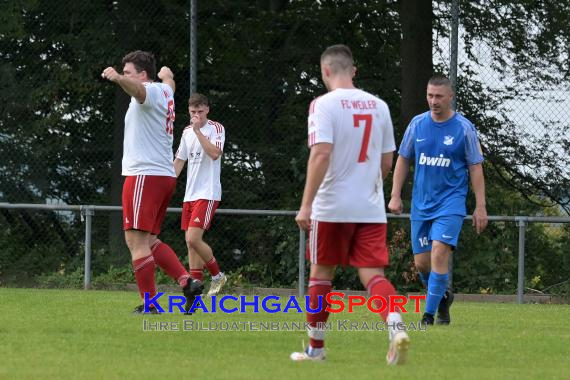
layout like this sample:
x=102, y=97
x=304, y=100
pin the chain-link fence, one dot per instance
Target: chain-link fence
x=512, y=81
x=61, y=125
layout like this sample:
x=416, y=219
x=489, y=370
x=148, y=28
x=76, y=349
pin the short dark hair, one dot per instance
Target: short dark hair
x=338, y=57
x=197, y=100
x=143, y=61
x=440, y=80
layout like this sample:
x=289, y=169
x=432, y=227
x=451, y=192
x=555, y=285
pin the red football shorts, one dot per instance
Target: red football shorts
x=198, y=213
x=145, y=200
x=355, y=244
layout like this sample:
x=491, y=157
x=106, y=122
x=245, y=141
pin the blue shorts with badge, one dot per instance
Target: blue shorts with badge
x=445, y=229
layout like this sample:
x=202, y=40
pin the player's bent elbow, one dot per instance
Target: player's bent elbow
x=215, y=156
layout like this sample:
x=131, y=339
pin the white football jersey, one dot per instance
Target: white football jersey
x=147, y=146
x=359, y=126
x=203, y=173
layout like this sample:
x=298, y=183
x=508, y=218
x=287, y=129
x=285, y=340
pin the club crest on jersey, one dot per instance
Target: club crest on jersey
x=448, y=140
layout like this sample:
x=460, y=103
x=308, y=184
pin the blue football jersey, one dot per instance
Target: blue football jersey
x=442, y=153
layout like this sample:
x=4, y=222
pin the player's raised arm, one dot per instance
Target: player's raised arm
x=210, y=149
x=167, y=77
x=132, y=86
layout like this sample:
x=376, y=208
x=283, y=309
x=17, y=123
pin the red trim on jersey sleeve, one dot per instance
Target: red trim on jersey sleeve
x=312, y=138
x=313, y=105
x=219, y=127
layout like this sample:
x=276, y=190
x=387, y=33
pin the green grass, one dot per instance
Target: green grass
x=66, y=334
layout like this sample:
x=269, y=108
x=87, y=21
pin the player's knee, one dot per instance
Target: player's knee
x=439, y=259
x=192, y=242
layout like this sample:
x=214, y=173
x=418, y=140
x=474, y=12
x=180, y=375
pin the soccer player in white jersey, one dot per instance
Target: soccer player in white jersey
x=202, y=145
x=150, y=179
x=352, y=142
x=446, y=152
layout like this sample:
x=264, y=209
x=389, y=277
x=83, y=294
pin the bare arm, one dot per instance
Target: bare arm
x=167, y=77
x=478, y=185
x=132, y=87
x=211, y=150
x=178, y=166
x=317, y=167
x=386, y=165
x=400, y=173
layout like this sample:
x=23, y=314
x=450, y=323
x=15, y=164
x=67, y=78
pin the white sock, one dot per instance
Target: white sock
x=392, y=322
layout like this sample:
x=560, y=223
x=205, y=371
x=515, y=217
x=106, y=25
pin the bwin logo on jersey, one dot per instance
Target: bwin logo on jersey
x=448, y=140
x=434, y=161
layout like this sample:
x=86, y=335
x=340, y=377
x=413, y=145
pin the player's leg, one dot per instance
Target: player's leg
x=195, y=262
x=444, y=234
x=196, y=265
x=421, y=248
x=328, y=246
x=369, y=254
x=200, y=221
x=159, y=191
x=143, y=264
x=320, y=284
x=196, y=284
x=137, y=226
x=163, y=254
x=422, y=261
x=168, y=261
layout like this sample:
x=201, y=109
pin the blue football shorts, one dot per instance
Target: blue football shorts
x=445, y=229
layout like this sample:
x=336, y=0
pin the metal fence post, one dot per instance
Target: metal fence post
x=87, y=212
x=454, y=48
x=302, y=247
x=193, y=45
x=520, y=286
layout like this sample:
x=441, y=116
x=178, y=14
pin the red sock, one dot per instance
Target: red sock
x=318, y=288
x=167, y=260
x=144, y=274
x=197, y=274
x=213, y=267
x=380, y=286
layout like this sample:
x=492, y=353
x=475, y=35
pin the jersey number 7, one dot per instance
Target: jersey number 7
x=367, y=118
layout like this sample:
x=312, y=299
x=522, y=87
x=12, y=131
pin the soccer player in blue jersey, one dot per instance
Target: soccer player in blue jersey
x=445, y=149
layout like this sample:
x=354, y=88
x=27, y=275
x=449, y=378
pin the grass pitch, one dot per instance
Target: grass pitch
x=67, y=334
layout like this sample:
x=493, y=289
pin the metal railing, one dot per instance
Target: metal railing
x=88, y=211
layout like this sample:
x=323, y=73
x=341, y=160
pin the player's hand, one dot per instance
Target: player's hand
x=396, y=206
x=165, y=73
x=194, y=123
x=110, y=74
x=303, y=218
x=480, y=219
